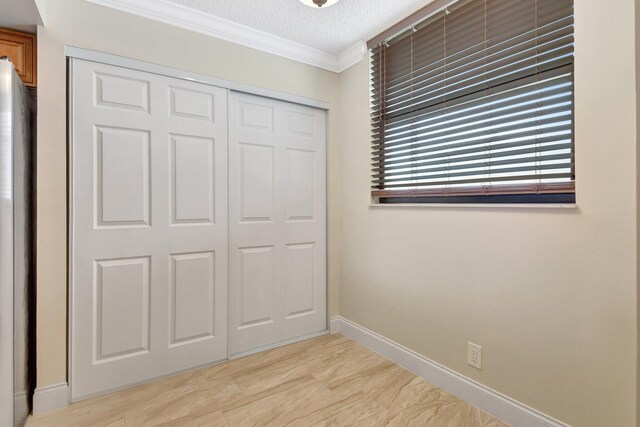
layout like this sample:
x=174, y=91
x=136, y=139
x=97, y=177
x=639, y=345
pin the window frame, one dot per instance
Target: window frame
x=561, y=194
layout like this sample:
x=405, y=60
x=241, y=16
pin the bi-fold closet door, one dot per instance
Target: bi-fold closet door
x=197, y=219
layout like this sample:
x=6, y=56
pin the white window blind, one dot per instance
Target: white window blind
x=476, y=100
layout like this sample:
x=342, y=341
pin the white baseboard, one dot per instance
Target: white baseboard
x=334, y=324
x=478, y=395
x=51, y=397
x=21, y=407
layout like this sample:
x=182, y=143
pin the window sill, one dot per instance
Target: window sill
x=568, y=206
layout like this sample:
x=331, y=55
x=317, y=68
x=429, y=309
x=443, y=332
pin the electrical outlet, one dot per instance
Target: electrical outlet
x=474, y=355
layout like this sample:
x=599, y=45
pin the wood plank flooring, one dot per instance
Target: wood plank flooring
x=325, y=381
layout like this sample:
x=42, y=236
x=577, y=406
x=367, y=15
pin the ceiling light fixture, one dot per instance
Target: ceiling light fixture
x=319, y=3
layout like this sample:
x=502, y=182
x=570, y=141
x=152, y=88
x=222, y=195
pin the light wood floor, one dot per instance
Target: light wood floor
x=330, y=380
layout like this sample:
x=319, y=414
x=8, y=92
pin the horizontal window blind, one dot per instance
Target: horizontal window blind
x=476, y=100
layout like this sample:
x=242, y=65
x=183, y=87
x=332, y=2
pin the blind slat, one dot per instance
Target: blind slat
x=535, y=90
x=533, y=177
x=441, y=91
x=453, y=144
x=479, y=176
x=471, y=155
x=408, y=62
x=481, y=95
x=411, y=180
x=504, y=189
x=473, y=162
x=499, y=121
x=512, y=61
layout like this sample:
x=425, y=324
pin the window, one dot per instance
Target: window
x=473, y=102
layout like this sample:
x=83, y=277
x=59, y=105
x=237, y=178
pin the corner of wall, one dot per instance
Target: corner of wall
x=51, y=218
x=637, y=71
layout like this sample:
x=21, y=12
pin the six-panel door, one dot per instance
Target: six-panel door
x=277, y=222
x=149, y=226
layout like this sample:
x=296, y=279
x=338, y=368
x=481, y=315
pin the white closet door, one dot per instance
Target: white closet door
x=149, y=226
x=277, y=211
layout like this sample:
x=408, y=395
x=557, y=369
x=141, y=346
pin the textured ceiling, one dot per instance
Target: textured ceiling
x=332, y=29
x=21, y=15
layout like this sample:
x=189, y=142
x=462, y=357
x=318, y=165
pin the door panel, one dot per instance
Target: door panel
x=149, y=226
x=256, y=182
x=122, y=176
x=122, y=92
x=256, y=286
x=300, y=260
x=192, y=104
x=277, y=199
x=192, y=302
x=300, y=194
x=192, y=180
x=122, y=307
x=256, y=115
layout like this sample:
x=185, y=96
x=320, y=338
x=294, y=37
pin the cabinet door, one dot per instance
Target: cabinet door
x=277, y=211
x=21, y=49
x=148, y=224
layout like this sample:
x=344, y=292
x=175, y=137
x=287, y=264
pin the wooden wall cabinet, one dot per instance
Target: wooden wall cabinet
x=21, y=48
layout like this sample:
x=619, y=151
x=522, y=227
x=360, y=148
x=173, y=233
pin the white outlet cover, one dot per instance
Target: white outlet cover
x=474, y=355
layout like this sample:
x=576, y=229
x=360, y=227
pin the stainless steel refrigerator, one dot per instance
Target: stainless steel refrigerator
x=17, y=231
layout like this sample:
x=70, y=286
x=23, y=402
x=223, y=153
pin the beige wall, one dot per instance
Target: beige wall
x=81, y=24
x=637, y=40
x=550, y=294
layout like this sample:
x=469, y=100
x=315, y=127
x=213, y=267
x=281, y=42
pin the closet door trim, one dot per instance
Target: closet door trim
x=120, y=61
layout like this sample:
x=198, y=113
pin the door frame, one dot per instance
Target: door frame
x=75, y=53
x=134, y=64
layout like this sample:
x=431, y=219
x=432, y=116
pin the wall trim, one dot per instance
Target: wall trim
x=482, y=397
x=352, y=55
x=334, y=324
x=204, y=23
x=21, y=406
x=51, y=397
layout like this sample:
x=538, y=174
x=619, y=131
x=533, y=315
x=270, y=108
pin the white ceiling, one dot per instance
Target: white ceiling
x=21, y=15
x=333, y=29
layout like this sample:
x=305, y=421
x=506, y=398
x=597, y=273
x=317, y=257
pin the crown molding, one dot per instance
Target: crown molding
x=352, y=55
x=200, y=22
